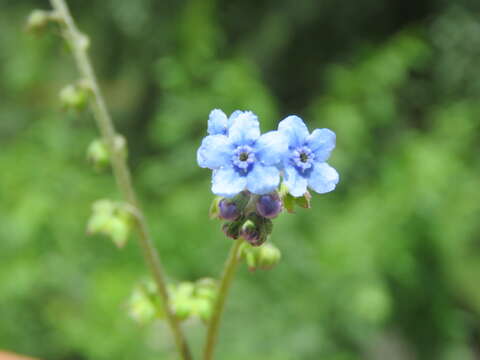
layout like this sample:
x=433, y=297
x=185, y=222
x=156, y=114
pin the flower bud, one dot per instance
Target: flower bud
x=144, y=305
x=249, y=231
x=252, y=260
x=206, y=292
x=269, y=256
x=253, y=233
x=269, y=206
x=182, y=308
x=232, y=229
x=74, y=97
x=97, y=154
x=206, y=288
x=203, y=308
x=140, y=308
x=228, y=210
x=259, y=257
x=182, y=299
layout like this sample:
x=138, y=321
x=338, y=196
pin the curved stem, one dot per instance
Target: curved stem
x=225, y=282
x=79, y=44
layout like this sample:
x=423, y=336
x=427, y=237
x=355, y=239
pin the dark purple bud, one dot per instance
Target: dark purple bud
x=231, y=229
x=228, y=210
x=269, y=206
x=252, y=233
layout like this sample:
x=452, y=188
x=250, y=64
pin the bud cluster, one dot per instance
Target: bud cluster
x=249, y=216
x=194, y=299
x=264, y=257
x=187, y=300
x=112, y=219
x=144, y=305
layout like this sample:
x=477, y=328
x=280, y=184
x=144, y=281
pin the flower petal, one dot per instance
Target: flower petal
x=217, y=122
x=321, y=142
x=227, y=182
x=214, y=152
x=272, y=147
x=295, y=182
x=245, y=129
x=263, y=179
x=233, y=116
x=323, y=178
x=296, y=130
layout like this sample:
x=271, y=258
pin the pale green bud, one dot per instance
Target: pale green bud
x=206, y=288
x=262, y=257
x=203, y=308
x=142, y=306
x=74, y=97
x=269, y=256
x=183, y=307
x=185, y=289
x=97, y=154
x=181, y=298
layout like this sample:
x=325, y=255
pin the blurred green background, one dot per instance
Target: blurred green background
x=387, y=266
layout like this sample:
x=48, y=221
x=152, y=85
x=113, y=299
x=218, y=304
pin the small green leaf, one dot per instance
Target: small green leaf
x=214, y=210
x=304, y=201
x=289, y=203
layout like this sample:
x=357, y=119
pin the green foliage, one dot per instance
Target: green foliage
x=385, y=266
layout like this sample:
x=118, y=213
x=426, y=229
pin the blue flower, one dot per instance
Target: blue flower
x=218, y=123
x=304, y=164
x=239, y=157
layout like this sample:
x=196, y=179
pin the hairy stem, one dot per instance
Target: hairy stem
x=79, y=44
x=225, y=282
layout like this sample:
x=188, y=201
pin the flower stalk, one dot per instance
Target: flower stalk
x=225, y=283
x=79, y=45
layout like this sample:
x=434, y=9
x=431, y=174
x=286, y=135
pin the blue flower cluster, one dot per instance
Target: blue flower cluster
x=243, y=159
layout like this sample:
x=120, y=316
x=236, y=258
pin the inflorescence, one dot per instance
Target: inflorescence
x=255, y=176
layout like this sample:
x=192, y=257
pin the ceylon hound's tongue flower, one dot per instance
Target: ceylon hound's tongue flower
x=241, y=158
x=304, y=164
x=219, y=123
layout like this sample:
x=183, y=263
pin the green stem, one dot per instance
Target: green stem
x=79, y=44
x=225, y=282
